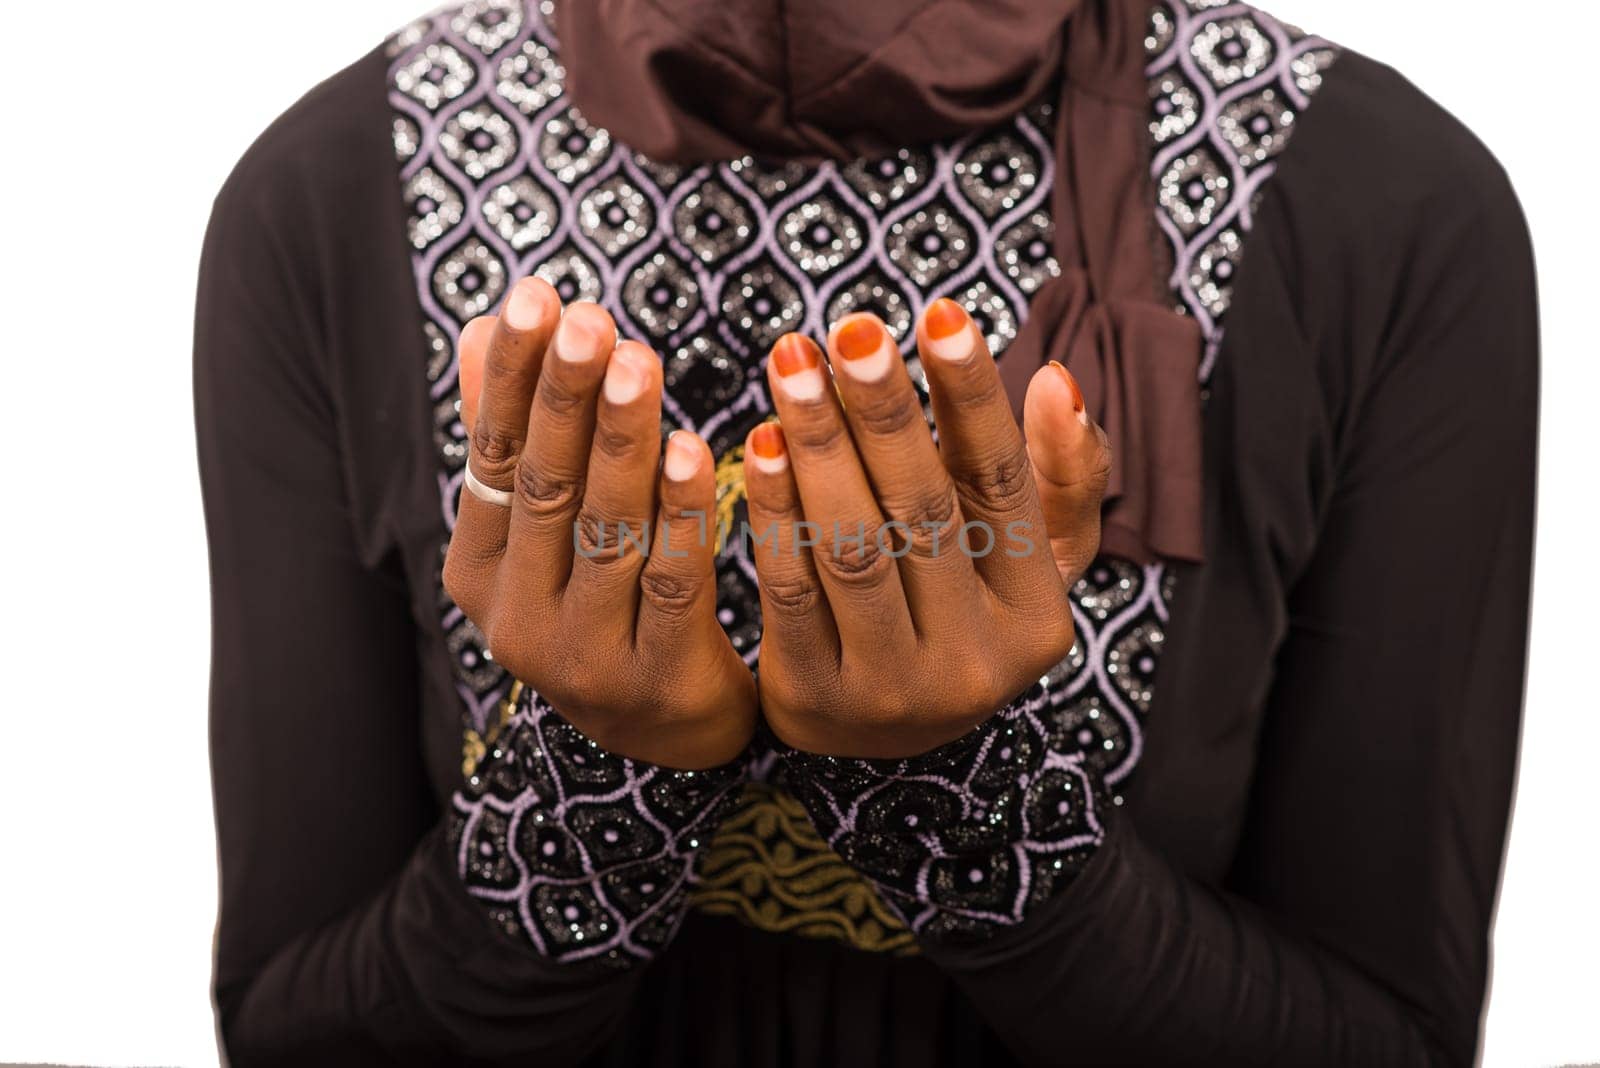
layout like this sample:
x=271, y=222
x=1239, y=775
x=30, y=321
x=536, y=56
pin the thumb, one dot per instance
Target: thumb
x=1071, y=464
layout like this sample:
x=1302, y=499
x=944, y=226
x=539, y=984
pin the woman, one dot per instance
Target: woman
x=1186, y=740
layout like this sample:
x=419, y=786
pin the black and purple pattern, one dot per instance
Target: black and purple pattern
x=711, y=263
x=972, y=834
x=586, y=854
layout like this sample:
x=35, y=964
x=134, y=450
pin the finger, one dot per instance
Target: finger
x=983, y=450
x=796, y=622
x=509, y=372
x=678, y=586
x=479, y=535
x=555, y=459
x=1071, y=463
x=619, y=497
x=471, y=353
x=859, y=578
x=914, y=492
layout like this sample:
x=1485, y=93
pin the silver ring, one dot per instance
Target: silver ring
x=486, y=494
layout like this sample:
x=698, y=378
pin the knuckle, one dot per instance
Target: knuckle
x=859, y=563
x=887, y=416
x=506, y=364
x=792, y=596
x=1094, y=475
x=819, y=436
x=601, y=537
x=981, y=392
x=616, y=442
x=1003, y=483
x=928, y=518
x=669, y=593
x=681, y=515
x=496, y=451
x=772, y=497
x=558, y=397
x=544, y=494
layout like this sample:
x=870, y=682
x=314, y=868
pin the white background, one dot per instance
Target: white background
x=122, y=121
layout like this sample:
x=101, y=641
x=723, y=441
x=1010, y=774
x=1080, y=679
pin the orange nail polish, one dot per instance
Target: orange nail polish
x=794, y=353
x=944, y=318
x=767, y=441
x=1077, y=394
x=859, y=338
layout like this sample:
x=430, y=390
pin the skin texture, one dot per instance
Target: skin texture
x=892, y=644
x=625, y=644
x=887, y=630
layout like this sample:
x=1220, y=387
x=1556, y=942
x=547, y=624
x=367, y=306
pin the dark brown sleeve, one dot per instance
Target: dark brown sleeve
x=345, y=935
x=1354, y=929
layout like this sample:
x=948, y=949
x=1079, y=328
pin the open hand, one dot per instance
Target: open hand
x=908, y=590
x=623, y=641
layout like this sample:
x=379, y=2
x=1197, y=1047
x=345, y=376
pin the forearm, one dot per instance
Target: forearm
x=1073, y=937
x=418, y=973
x=1135, y=963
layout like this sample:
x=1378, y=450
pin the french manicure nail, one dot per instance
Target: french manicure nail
x=683, y=459
x=522, y=308
x=1077, y=394
x=767, y=448
x=950, y=335
x=574, y=343
x=864, y=345
x=624, y=380
x=799, y=367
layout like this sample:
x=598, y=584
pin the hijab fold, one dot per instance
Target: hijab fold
x=693, y=80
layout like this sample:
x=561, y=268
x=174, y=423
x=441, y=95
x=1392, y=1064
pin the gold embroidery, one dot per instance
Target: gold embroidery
x=730, y=490
x=474, y=746
x=768, y=867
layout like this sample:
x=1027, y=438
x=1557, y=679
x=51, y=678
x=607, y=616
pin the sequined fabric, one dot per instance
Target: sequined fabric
x=971, y=834
x=586, y=854
x=501, y=176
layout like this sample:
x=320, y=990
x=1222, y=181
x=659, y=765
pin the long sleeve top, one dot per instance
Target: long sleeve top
x=1293, y=761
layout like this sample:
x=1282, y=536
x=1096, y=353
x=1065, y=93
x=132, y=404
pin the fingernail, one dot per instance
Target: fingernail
x=574, y=343
x=864, y=345
x=767, y=448
x=683, y=458
x=524, y=305
x=1077, y=394
x=949, y=327
x=625, y=380
x=799, y=367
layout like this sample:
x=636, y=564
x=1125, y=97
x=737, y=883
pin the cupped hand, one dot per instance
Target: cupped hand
x=595, y=583
x=910, y=590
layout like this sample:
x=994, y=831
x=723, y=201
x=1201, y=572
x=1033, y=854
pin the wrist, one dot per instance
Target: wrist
x=698, y=736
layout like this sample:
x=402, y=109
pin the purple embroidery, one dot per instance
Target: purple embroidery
x=584, y=853
x=971, y=834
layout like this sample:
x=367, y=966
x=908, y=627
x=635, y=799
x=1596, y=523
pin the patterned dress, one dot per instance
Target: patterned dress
x=588, y=855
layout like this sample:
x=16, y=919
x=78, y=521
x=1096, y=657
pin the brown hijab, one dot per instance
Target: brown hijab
x=691, y=80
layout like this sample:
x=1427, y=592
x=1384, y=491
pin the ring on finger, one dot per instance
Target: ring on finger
x=486, y=494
